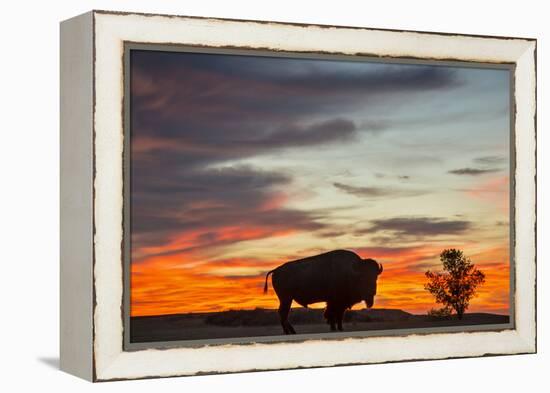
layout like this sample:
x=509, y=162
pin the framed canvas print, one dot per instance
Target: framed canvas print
x=245, y=195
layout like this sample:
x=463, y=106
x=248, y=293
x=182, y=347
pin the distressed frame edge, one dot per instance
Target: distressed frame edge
x=305, y=25
x=528, y=339
x=76, y=196
x=526, y=138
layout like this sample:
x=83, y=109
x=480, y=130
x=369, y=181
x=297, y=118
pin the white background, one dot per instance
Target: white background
x=29, y=197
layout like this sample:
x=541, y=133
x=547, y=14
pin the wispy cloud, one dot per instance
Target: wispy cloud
x=378, y=192
x=380, y=175
x=419, y=226
x=484, y=165
x=473, y=171
x=491, y=160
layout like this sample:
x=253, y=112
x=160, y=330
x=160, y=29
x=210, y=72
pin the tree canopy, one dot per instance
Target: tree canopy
x=457, y=284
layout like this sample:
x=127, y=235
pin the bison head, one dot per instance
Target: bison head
x=369, y=270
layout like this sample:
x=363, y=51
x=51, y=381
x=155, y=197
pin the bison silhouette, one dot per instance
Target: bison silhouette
x=340, y=278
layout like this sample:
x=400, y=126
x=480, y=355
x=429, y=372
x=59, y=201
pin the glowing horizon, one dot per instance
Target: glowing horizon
x=241, y=163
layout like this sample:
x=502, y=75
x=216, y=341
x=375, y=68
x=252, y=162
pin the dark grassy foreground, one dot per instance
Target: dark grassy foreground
x=262, y=322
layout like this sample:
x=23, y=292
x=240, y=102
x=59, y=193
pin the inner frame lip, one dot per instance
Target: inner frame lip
x=129, y=46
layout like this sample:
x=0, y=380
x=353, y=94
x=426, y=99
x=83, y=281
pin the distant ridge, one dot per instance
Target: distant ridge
x=265, y=322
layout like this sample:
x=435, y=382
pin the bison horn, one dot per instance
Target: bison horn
x=380, y=268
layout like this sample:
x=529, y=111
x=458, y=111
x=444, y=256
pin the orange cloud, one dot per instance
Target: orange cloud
x=180, y=283
x=190, y=242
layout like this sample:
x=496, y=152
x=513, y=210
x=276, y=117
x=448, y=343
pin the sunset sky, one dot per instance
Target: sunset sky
x=241, y=163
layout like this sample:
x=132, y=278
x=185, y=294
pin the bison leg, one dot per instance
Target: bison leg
x=290, y=328
x=340, y=318
x=330, y=317
x=284, y=309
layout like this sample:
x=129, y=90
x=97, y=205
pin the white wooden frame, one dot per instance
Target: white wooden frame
x=92, y=143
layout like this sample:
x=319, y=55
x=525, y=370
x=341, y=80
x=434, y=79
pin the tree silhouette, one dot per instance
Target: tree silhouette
x=456, y=286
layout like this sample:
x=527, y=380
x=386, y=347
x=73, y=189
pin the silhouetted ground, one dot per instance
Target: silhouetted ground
x=262, y=322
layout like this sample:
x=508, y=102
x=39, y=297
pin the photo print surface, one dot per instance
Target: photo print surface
x=274, y=195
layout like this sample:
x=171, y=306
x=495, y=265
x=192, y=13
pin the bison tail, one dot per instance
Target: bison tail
x=266, y=276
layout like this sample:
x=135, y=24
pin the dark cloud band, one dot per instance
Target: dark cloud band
x=378, y=192
x=473, y=171
x=193, y=115
x=420, y=226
